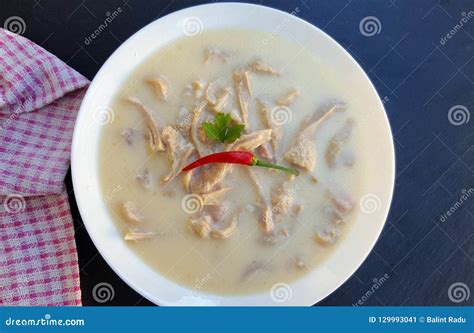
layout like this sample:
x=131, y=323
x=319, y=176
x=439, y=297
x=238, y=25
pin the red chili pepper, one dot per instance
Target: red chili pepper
x=237, y=157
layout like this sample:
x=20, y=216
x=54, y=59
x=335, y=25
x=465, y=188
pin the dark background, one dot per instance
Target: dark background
x=419, y=78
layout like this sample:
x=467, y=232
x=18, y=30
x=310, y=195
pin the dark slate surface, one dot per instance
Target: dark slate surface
x=420, y=77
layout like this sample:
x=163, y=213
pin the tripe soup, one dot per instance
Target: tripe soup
x=224, y=228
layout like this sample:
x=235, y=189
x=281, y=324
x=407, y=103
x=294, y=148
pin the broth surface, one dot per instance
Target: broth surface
x=247, y=261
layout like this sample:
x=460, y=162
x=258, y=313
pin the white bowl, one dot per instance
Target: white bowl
x=318, y=283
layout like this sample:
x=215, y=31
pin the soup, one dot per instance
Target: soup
x=227, y=228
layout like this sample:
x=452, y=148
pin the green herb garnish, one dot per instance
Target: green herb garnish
x=221, y=129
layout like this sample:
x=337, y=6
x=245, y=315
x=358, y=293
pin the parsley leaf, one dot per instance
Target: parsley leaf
x=211, y=131
x=222, y=120
x=220, y=130
x=234, y=132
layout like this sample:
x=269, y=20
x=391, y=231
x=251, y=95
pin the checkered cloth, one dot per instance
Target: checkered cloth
x=39, y=100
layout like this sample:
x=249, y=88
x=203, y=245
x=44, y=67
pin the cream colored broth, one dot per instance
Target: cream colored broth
x=228, y=266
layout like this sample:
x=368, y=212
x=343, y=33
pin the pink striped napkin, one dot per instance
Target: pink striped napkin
x=39, y=99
